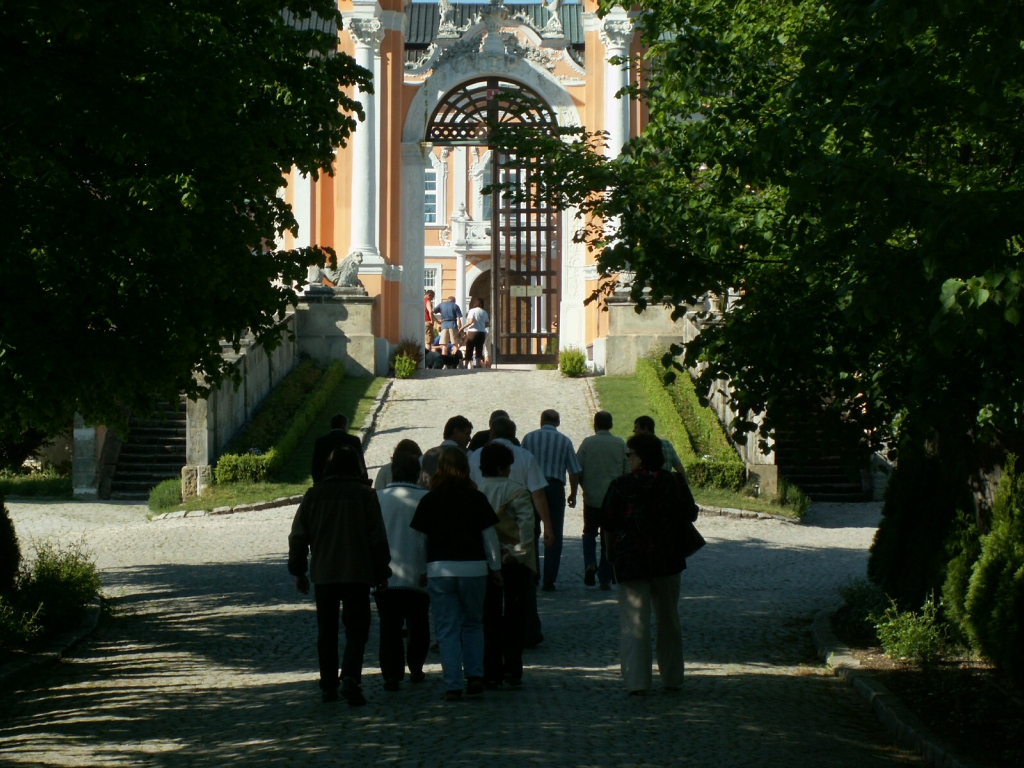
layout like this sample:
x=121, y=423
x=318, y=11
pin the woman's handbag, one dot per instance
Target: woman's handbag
x=690, y=536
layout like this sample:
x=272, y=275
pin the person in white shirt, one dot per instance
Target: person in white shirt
x=405, y=601
x=475, y=328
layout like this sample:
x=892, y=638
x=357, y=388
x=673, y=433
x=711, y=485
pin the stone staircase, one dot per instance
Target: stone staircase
x=153, y=452
x=805, y=459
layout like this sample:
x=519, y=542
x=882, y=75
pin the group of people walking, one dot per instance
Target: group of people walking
x=456, y=532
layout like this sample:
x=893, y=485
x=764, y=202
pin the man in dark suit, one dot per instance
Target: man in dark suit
x=338, y=437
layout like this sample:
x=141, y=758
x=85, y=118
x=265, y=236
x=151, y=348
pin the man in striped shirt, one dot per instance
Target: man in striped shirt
x=556, y=456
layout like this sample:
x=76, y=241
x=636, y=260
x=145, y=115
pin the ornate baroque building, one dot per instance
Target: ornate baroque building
x=408, y=190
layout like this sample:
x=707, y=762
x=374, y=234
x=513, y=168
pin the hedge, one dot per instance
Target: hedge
x=995, y=600
x=706, y=470
x=290, y=411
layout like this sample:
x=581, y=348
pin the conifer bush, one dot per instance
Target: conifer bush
x=405, y=367
x=995, y=600
x=10, y=552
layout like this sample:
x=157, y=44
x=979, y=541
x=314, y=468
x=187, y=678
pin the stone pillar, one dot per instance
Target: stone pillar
x=200, y=446
x=616, y=35
x=85, y=461
x=414, y=162
x=367, y=34
x=338, y=325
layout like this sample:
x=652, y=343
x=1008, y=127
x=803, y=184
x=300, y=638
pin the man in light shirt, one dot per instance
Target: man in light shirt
x=556, y=456
x=602, y=458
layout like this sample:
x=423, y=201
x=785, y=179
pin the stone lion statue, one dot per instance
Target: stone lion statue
x=346, y=273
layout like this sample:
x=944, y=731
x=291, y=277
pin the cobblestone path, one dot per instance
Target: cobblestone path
x=209, y=659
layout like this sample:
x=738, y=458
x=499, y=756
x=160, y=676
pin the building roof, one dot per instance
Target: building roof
x=424, y=19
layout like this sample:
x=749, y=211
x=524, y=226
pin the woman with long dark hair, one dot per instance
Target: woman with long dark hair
x=462, y=552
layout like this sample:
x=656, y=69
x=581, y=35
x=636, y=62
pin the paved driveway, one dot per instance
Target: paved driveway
x=209, y=656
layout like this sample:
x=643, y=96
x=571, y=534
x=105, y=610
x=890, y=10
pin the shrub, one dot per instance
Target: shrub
x=18, y=628
x=10, y=552
x=995, y=599
x=791, y=496
x=909, y=555
x=711, y=473
x=962, y=550
x=666, y=419
x=278, y=408
x=704, y=470
x=405, y=366
x=49, y=481
x=862, y=602
x=572, y=362
x=408, y=348
x=59, y=585
x=166, y=495
x=303, y=404
x=702, y=424
x=908, y=635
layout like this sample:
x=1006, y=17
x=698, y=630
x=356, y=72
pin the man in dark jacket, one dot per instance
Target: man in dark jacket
x=339, y=523
x=338, y=437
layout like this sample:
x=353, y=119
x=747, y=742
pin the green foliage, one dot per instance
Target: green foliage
x=10, y=551
x=908, y=635
x=405, y=367
x=283, y=420
x=166, y=495
x=862, y=602
x=572, y=362
x=15, y=449
x=18, y=628
x=791, y=496
x=144, y=193
x=909, y=554
x=962, y=551
x=995, y=600
x=702, y=424
x=704, y=470
x=61, y=582
x=854, y=176
x=51, y=481
x=410, y=348
x=666, y=419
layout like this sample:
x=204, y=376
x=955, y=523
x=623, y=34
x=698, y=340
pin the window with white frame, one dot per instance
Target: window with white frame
x=430, y=196
x=432, y=278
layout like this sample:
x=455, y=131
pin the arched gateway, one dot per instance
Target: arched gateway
x=408, y=189
x=525, y=247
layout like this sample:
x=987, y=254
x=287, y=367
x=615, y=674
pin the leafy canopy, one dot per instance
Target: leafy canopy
x=143, y=149
x=850, y=171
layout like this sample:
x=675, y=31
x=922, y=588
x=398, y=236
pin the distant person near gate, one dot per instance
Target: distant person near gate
x=450, y=313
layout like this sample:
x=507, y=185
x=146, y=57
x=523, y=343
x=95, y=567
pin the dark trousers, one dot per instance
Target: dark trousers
x=505, y=615
x=353, y=600
x=395, y=608
x=556, y=506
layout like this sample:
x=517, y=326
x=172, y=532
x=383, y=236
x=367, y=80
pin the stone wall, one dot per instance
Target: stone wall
x=212, y=423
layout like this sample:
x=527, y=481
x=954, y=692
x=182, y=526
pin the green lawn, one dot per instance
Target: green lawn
x=354, y=398
x=624, y=398
x=37, y=485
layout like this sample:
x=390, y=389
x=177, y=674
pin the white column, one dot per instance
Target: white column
x=414, y=162
x=460, y=280
x=616, y=34
x=367, y=34
x=302, y=207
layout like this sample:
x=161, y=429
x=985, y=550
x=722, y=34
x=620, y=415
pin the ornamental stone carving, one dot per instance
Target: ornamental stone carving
x=616, y=35
x=367, y=32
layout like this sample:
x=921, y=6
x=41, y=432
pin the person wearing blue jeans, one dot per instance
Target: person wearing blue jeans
x=462, y=553
x=556, y=457
x=458, y=606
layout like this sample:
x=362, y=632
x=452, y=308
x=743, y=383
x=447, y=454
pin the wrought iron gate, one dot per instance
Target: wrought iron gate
x=525, y=242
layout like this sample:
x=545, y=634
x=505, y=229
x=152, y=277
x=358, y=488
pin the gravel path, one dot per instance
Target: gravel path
x=209, y=656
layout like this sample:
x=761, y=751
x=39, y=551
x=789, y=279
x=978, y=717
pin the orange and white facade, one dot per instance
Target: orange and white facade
x=414, y=207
